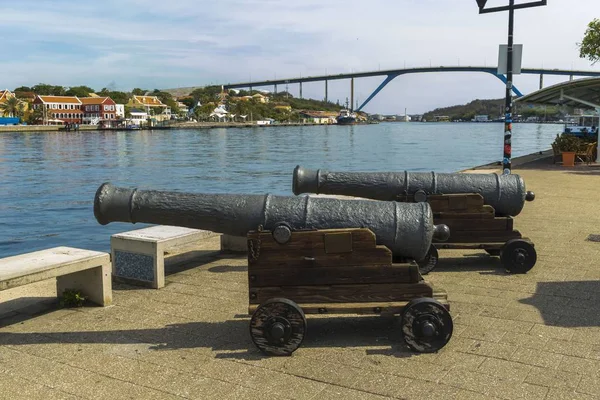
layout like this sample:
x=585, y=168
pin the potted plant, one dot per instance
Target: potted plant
x=568, y=145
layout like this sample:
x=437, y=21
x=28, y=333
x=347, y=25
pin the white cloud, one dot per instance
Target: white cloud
x=186, y=42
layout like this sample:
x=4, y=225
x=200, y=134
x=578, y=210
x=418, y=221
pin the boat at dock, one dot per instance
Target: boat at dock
x=346, y=117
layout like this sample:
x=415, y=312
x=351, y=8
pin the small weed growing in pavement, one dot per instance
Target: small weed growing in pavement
x=72, y=298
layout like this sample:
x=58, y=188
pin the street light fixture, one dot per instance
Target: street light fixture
x=506, y=163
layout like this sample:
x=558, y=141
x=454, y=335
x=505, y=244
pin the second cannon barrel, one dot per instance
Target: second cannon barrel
x=506, y=193
x=406, y=229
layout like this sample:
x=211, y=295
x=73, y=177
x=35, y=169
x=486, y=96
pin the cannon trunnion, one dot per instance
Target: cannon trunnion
x=478, y=208
x=336, y=271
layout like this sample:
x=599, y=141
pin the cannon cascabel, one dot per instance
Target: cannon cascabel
x=405, y=228
x=506, y=193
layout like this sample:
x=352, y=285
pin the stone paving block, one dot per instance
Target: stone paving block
x=509, y=390
x=487, y=334
x=243, y=393
x=470, y=380
x=578, y=365
x=489, y=349
x=380, y=383
x=427, y=390
x=511, y=326
x=537, y=358
x=589, y=385
x=294, y=387
x=502, y=313
x=338, y=374
x=555, y=332
x=474, y=320
x=552, y=378
x=13, y=387
x=525, y=340
x=451, y=359
x=342, y=393
x=566, y=394
x=468, y=395
x=569, y=348
x=589, y=335
x=505, y=369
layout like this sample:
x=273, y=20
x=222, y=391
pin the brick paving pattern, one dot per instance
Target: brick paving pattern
x=533, y=336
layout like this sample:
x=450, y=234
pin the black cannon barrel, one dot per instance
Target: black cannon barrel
x=506, y=193
x=405, y=228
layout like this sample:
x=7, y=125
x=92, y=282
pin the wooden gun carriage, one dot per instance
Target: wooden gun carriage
x=474, y=225
x=336, y=271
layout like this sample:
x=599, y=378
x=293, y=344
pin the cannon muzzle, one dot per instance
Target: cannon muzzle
x=506, y=193
x=405, y=228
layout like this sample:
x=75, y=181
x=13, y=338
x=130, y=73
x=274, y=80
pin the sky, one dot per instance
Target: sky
x=122, y=44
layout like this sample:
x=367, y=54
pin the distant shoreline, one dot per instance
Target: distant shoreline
x=213, y=125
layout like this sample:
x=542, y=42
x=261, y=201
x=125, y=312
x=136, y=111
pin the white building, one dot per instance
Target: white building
x=139, y=117
x=481, y=118
x=120, y=110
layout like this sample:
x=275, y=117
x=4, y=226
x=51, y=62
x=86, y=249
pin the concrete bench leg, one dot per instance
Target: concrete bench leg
x=94, y=283
x=138, y=263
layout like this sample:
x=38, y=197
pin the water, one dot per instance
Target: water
x=48, y=180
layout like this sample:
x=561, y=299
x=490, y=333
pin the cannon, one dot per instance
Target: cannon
x=478, y=208
x=505, y=193
x=310, y=255
x=406, y=229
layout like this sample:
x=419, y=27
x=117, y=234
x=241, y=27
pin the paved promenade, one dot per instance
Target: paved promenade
x=533, y=336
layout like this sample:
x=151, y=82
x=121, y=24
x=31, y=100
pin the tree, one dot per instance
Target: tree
x=12, y=107
x=590, y=45
x=79, y=91
x=42, y=89
x=23, y=89
x=36, y=116
x=138, y=92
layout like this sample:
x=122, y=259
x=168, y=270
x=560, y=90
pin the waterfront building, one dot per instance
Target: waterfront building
x=98, y=111
x=152, y=105
x=7, y=94
x=120, y=111
x=138, y=117
x=59, y=109
x=318, y=117
x=183, y=109
x=481, y=118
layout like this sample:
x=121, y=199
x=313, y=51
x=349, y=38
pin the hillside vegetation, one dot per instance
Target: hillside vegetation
x=494, y=108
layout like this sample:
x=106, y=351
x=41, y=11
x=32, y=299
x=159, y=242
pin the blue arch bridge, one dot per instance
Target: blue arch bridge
x=391, y=74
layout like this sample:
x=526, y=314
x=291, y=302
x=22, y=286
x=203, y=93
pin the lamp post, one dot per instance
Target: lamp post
x=508, y=105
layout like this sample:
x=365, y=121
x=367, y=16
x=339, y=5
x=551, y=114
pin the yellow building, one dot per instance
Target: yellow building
x=152, y=105
x=7, y=94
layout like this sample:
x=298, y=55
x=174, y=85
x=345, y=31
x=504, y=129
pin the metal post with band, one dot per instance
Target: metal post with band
x=510, y=69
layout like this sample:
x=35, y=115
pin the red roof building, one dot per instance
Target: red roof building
x=66, y=109
x=98, y=110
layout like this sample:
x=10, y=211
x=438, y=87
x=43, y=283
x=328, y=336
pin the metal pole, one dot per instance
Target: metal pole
x=326, y=90
x=541, y=81
x=300, y=89
x=351, y=94
x=506, y=162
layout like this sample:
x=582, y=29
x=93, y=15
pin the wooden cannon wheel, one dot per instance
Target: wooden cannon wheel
x=278, y=327
x=426, y=325
x=518, y=256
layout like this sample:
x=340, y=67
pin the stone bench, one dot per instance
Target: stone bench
x=86, y=271
x=138, y=257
